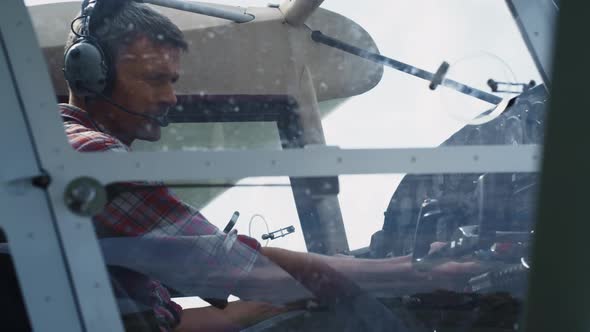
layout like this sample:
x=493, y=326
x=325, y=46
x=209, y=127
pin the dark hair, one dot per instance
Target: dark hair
x=116, y=30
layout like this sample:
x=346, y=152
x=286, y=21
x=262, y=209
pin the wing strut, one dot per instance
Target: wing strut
x=435, y=79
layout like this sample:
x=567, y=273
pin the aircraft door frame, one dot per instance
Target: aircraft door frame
x=81, y=281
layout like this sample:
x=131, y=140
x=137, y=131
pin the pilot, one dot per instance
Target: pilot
x=142, y=51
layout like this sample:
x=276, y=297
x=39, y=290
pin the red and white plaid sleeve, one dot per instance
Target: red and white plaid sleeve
x=154, y=211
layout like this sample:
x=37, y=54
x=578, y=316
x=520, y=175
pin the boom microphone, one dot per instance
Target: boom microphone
x=161, y=120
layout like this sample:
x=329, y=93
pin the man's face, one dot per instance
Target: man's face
x=146, y=73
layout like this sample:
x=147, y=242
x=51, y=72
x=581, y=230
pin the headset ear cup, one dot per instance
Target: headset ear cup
x=110, y=73
x=85, y=68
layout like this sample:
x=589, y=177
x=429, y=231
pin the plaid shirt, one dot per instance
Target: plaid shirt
x=153, y=212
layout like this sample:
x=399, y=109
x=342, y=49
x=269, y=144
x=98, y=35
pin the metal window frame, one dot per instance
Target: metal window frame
x=57, y=258
x=559, y=296
x=32, y=238
x=537, y=21
x=78, y=277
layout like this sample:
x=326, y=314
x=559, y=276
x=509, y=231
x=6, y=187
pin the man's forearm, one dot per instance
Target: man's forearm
x=386, y=277
x=332, y=277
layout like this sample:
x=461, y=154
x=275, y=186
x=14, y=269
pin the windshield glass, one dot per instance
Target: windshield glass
x=297, y=243
x=440, y=250
x=358, y=103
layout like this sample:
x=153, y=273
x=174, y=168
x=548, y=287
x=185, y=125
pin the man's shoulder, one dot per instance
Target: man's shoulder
x=89, y=140
x=83, y=135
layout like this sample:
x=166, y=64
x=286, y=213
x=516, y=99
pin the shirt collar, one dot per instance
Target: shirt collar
x=73, y=113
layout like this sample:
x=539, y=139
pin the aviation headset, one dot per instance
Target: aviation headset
x=87, y=68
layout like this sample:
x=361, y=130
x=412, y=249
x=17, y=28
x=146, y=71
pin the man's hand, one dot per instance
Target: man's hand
x=446, y=273
x=235, y=317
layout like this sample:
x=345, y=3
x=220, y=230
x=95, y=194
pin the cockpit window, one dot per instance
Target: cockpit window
x=382, y=106
x=303, y=244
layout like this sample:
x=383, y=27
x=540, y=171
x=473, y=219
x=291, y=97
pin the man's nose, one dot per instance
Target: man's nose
x=168, y=96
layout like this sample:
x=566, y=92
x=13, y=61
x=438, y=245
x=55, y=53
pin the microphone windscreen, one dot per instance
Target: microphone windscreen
x=162, y=120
